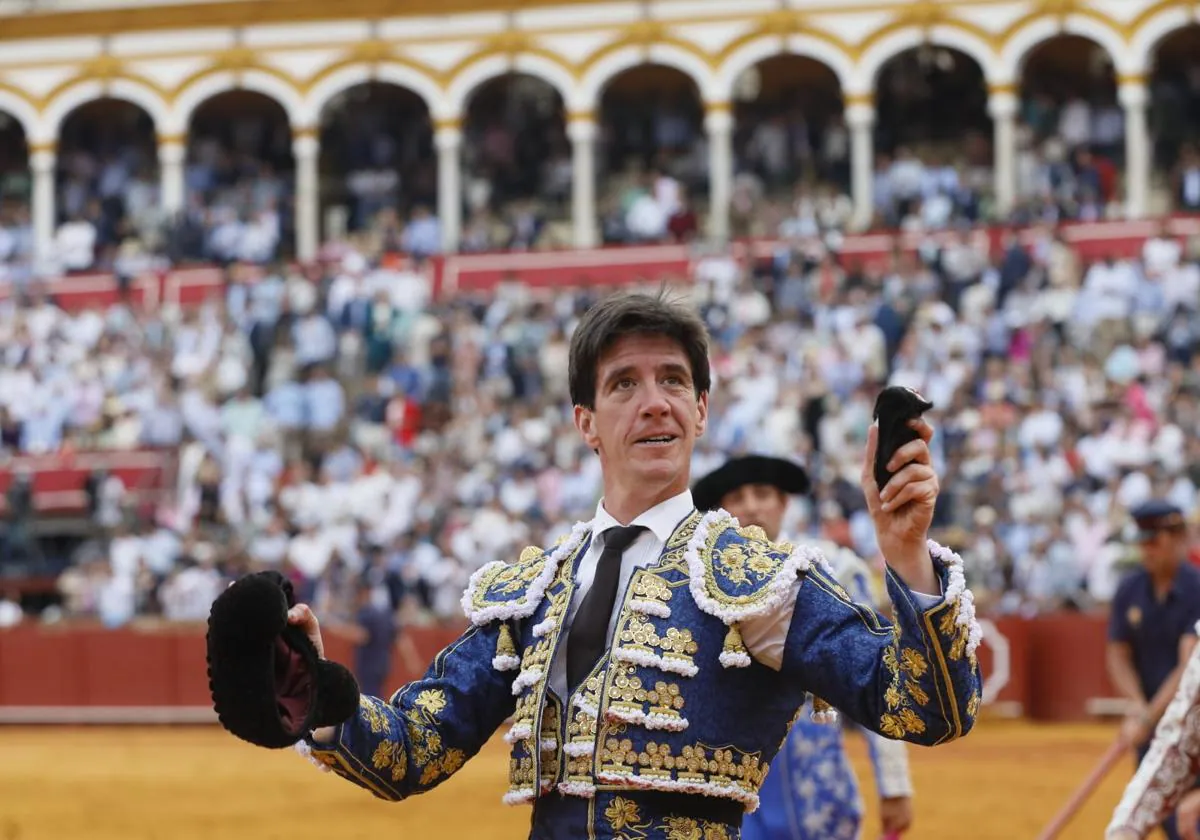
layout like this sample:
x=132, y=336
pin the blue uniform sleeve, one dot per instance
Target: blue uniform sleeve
x=1192, y=605
x=915, y=680
x=430, y=727
x=1118, y=612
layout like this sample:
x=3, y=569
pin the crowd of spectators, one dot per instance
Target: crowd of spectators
x=340, y=423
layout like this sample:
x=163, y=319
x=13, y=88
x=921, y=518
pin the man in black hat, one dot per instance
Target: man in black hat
x=1152, y=623
x=756, y=490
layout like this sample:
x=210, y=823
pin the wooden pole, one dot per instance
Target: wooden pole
x=1084, y=791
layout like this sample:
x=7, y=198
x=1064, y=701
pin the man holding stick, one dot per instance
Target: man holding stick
x=1152, y=624
x=1166, y=777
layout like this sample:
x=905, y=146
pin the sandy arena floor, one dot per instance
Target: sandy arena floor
x=1003, y=782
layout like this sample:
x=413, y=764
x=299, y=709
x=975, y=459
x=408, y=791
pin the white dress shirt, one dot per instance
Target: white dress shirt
x=764, y=636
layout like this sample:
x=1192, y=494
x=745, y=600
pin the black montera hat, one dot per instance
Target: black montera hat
x=269, y=687
x=787, y=475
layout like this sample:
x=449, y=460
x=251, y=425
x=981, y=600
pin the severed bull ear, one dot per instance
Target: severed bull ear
x=894, y=408
x=268, y=685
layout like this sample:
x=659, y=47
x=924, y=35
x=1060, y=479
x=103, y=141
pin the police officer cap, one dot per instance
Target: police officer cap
x=781, y=473
x=1156, y=515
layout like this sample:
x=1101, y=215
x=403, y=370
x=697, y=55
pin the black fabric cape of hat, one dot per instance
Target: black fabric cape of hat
x=269, y=687
x=786, y=475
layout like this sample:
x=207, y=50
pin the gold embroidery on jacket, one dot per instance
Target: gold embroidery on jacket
x=389, y=755
x=675, y=644
x=551, y=755
x=628, y=693
x=694, y=763
x=520, y=772
x=375, y=718
x=509, y=579
x=904, y=692
x=740, y=564
x=956, y=633
x=624, y=818
x=651, y=587
x=739, y=561
x=425, y=742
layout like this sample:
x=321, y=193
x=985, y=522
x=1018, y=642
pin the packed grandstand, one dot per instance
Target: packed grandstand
x=189, y=389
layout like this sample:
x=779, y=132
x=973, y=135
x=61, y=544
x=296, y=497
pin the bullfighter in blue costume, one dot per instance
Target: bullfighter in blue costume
x=811, y=792
x=656, y=714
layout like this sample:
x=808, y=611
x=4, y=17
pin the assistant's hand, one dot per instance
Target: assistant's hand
x=1187, y=816
x=1136, y=729
x=896, y=814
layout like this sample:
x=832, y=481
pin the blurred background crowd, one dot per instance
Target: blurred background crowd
x=342, y=423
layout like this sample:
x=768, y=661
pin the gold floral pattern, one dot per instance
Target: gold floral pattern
x=504, y=580
x=683, y=828
x=958, y=634
x=622, y=813
x=740, y=564
x=624, y=818
x=903, y=693
x=431, y=701
x=371, y=711
x=390, y=755
x=424, y=740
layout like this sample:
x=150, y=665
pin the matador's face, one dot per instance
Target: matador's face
x=647, y=416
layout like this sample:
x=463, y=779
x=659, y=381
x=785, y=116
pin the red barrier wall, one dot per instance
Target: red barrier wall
x=1051, y=667
x=159, y=666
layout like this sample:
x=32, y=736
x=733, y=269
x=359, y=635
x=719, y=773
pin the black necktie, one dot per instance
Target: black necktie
x=589, y=630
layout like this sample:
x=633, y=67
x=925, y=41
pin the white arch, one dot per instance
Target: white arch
x=892, y=45
x=1019, y=46
x=1153, y=32
x=22, y=111
x=70, y=98
x=608, y=68
x=768, y=46
x=206, y=87
x=347, y=77
x=474, y=75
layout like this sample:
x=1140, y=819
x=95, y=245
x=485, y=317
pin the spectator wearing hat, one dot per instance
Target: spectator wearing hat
x=755, y=489
x=1152, y=623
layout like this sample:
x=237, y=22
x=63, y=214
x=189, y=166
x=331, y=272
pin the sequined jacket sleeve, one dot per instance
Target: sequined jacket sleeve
x=889, y=759
x=914, y=680
x=430, y=727
x=1172, y=763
